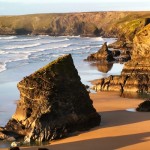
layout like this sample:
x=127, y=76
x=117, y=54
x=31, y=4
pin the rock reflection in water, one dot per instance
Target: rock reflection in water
x=103, y=66
x=134, y=95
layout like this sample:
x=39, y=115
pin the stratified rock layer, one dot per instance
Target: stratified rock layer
x=53, y=103
x=135, y=76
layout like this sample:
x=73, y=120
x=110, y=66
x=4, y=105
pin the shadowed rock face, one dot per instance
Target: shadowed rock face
x=135, y=76
x=53, y=103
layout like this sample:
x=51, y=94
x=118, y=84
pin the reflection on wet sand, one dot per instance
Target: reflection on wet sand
x=103, y=66
x=135, y=95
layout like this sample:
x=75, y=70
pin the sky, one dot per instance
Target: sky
x=20, y=7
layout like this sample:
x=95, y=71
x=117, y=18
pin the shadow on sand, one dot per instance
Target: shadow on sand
x=112, y=118
x=109, y=119
x=107, y=143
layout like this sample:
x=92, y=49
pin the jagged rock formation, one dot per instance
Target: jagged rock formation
x=102, y=55
x=135, y=76
x=144, y=106
x=53, y=103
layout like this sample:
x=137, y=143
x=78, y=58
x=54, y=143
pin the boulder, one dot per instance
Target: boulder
x=103, y=54
x=53, y=103
x=144, y=106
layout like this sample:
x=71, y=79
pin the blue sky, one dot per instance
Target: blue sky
x=18, y=7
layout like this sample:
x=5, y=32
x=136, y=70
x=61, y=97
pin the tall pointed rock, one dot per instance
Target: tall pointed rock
x=103, y=54
x=53, y=103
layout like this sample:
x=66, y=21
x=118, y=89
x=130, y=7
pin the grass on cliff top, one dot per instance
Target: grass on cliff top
x=130, y=28
x=60, y=65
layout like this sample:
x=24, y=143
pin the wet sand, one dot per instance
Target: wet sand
x=119, y=129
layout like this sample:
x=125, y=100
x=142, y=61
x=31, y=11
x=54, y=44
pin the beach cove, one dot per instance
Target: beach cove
x=121, y=126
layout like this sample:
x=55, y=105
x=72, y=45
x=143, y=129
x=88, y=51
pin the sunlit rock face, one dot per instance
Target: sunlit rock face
x=53, y=103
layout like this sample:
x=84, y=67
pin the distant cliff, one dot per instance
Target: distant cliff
x=106, y=24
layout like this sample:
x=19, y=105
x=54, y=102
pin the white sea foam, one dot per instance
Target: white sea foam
x=55, y=47
x=61, y=40
x=25, y=40
x=73, y=36
x=78, y=48
x=98, y=39
x=2, y=67
x=13, y=56
x=131, y=109
x=57, y=55
x=22, y=46
x=2, y=52
x=35, y=45
x=7, y=37
x=43, y=35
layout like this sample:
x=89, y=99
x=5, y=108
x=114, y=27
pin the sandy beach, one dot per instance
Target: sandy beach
x=119, y=130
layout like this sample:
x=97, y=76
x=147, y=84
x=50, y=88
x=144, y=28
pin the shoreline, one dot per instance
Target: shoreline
x=122, y=129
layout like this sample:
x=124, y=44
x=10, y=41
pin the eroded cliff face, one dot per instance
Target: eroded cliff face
x=135, y=76
x=106, y=24
x=53, y=103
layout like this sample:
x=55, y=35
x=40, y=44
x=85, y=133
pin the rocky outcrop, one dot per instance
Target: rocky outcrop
x=135, y=76
x=144, y=106
x=53, y=103
x=102, y=55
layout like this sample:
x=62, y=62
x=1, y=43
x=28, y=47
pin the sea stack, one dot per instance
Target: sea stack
x=53, y=103
x=103, y=54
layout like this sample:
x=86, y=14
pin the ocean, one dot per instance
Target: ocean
x=22, y=55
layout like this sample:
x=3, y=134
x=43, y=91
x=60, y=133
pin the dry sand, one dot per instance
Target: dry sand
x=119, y=130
